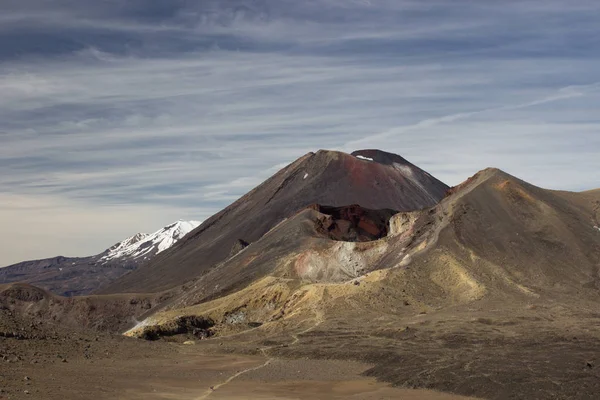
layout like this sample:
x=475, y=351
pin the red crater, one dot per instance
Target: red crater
x=352, y=223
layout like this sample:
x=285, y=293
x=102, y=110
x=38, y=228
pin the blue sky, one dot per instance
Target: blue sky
x=118, y=117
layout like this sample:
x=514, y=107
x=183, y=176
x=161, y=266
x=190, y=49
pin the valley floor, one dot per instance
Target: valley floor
x=131, y=370
x=488, y=350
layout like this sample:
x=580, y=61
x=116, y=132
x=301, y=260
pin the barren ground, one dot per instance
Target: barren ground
x=489, y=350
x=114, y=368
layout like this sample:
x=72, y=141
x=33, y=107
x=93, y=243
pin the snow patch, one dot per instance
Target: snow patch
x=364, y=158
x=597, y=227
x=305, y=175
x=143, y=245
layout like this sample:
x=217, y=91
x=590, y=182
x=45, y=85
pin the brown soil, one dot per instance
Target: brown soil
x=111, y=313
x=50, y=362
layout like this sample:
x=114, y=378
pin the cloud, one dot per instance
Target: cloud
x=558, y=95
x=174, y=107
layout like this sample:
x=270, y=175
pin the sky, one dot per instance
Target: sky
x=119, y=117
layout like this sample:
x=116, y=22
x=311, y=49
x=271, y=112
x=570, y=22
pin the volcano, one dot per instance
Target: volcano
x=373, y=179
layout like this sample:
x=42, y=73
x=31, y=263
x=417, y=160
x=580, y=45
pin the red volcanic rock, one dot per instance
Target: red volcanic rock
x=353, y=223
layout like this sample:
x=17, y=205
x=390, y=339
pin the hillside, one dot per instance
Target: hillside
x=93, y=313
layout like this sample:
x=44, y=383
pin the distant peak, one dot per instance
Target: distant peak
x=146, y=245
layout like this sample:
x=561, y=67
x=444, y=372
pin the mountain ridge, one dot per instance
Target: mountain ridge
x=72, y=276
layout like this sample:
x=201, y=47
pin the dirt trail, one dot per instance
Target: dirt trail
x=232, y=377
x=319, y=318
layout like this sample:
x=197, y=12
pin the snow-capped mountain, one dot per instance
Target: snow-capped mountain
x=73, y=276
x=143, y=246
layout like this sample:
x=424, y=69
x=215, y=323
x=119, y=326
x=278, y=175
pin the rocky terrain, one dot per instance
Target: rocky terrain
x=95, y=313
x=489, y=290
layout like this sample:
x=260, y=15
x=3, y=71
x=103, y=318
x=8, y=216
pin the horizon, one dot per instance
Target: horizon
x=117, y=120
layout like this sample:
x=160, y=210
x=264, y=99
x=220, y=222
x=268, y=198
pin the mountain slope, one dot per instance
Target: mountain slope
x=498, y=237
x=493, y=237
x=102, y=313
x=73, y=276
x=371, y=178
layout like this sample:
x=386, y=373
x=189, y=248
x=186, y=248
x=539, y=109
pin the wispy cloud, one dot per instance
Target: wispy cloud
x=564, y=93
x=165, y=107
